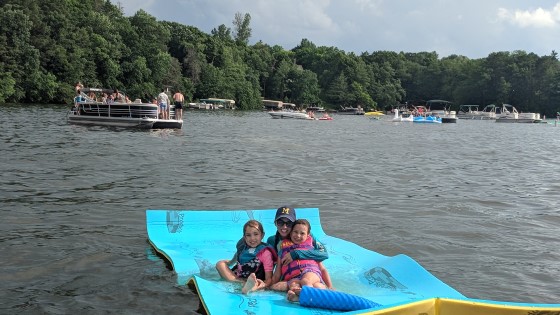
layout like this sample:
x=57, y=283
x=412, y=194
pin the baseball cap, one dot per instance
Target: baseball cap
x=285, y=212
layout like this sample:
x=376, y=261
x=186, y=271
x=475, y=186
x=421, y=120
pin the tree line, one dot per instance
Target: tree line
x=48, y=46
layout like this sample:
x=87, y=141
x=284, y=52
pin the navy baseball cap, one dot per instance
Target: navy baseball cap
x=286, y=212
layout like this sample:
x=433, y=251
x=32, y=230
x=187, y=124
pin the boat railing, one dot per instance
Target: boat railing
x=118, y=110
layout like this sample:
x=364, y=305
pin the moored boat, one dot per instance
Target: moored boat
x=351, y=111
x=90, y=109
x=509, y=114
x=473, y=112
x=442, y=109
x=374, y=114
x=290, y=114
x=318, y=109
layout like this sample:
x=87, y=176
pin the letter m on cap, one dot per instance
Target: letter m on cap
x=285, y=210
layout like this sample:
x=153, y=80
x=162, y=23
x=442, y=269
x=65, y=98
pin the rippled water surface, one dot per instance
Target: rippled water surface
x=476, y=203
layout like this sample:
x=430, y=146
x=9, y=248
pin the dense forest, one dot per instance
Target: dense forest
x=46, y=47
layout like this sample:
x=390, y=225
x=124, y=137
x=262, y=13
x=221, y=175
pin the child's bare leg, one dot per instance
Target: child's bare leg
x=310, y=279
x=319, y=285
x=280, y=286
x=225, y=272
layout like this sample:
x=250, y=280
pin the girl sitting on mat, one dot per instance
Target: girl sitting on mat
x=254, y=260
x=299, y=272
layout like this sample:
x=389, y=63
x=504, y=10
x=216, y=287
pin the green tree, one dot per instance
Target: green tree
x=242, y=28
x=7, y=86
x=336, y=94
x=304, y=87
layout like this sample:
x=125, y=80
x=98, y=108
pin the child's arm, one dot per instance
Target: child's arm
x=277, y=271
x=319, y=253
x=267, y=259
x=268, y=278
x=325, y=275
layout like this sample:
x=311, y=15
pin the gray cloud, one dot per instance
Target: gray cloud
x=473, y=29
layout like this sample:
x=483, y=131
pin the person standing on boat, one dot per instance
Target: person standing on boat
x=179, y=99
x=163, y=102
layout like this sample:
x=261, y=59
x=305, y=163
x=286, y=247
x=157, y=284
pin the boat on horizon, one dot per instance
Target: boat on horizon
x=318, y=109
x=290, y=114
x=507, y=113
x=442, y=109
x=473, y=112
x=351, y=110
x=375, y=114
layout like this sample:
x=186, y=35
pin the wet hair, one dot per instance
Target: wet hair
x=303, y=222
x=254, y=224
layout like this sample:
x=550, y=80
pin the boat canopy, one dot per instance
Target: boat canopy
x=217, y=101
x=438, y=104
x=271, y=104
x=438, y=101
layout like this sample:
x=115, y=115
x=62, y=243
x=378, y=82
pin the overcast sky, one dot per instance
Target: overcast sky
x=473, y=28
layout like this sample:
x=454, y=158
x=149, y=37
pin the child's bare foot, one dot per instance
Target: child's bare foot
x=249, y=284
x=292, y=296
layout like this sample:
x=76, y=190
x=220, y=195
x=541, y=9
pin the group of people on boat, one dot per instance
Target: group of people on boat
x=162, y=101
x=288, y=261
x=164, y=104
x=105, y=98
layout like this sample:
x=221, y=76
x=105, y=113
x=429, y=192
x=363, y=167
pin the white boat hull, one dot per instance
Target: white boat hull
x=142, y=123
x=289, y=115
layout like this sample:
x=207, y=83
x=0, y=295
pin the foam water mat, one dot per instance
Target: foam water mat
x=366, y=282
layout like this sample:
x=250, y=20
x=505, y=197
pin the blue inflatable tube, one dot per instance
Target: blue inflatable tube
x=333, y=300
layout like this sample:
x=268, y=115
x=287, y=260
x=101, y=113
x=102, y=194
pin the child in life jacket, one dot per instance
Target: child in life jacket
x=254, y=260
x=300, y=272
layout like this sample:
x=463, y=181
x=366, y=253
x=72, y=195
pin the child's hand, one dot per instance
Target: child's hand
x=287, y=259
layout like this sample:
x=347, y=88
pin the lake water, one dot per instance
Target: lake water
x=476, y=203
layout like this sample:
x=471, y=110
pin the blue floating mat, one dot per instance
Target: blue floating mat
x=194, y=240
